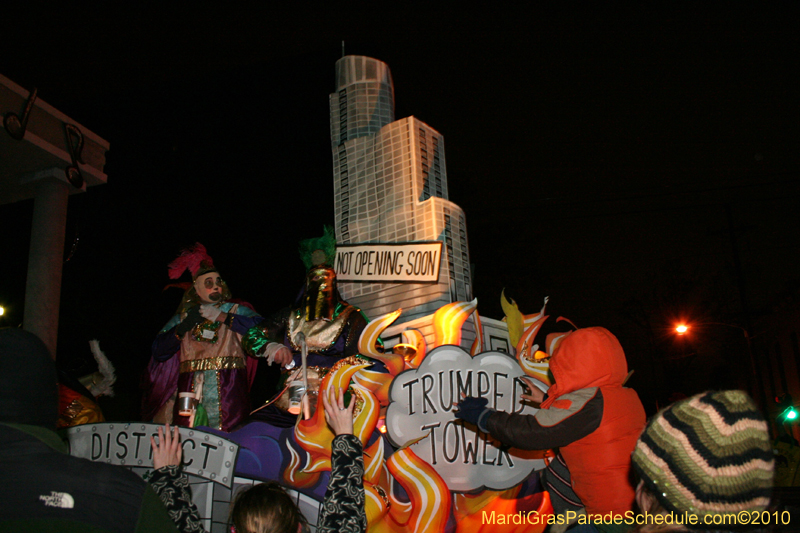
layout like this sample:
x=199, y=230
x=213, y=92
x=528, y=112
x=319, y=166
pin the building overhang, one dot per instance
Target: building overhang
x=44, y=150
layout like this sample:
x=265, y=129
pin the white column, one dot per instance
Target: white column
x=45, y=261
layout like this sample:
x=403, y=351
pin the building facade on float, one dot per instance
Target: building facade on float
x=390, y=186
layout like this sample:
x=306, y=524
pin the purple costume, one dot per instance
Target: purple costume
x=220, y=358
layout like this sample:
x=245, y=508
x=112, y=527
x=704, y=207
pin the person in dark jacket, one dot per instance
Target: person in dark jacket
x=44, y=488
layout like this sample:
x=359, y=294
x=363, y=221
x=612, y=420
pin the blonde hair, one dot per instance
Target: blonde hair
x=266, y=508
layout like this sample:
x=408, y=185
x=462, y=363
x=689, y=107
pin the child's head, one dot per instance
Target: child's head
x=708, y=455
x=266, y=508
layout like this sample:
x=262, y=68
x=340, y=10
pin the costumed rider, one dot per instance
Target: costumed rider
x=330, y=326
x=587, y=414
x=199, y=356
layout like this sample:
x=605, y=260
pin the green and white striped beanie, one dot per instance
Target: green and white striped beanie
x=708, y=455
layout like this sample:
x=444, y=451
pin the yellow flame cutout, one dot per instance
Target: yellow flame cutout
x=447, y=321
x=429, y=495
x=514, y=318
x=416, y=338
x=369, y=338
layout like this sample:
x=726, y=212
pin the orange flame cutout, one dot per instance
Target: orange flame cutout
x=376, y=505
x=447, y=321
x=412, y=336
x=553, y=341
x=531, y=512
x=528, y=320
x=525, y=344
x=525, y=353
x=376, y=382
x=469, y=504
x=314, y=435
x=294, y=475
x=477, y=344
x=369, y=339
x=373, y=462
x=429, y=495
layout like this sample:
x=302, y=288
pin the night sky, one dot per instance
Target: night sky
x=617, y=160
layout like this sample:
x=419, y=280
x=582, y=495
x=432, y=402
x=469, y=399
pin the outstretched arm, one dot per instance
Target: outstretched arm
x=343, y=508
x=170, y=483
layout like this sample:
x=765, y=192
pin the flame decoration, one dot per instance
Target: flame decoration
x=447, y=321
x=294, y=475
x=369, y=339
x=430, y=501
x=414, y=337
x=377, y=383
x=554, y=341
x=525, y=348
x=477, y=344
x=529, y=320
x=469, y=509
x=430, y=497
x=315, y=436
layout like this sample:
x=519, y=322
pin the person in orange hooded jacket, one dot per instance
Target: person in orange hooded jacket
x=587, y=414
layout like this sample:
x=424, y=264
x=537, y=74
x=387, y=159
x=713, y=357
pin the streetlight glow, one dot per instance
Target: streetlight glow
x=681, y=329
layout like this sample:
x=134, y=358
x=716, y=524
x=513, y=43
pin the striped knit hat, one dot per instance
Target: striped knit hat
x=708, y=455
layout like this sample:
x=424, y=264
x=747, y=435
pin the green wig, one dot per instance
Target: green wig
x=326, y=244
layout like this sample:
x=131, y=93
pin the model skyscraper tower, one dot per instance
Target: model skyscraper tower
x=390, y=186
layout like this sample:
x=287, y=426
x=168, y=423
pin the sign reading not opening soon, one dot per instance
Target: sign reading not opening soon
x=413, y=262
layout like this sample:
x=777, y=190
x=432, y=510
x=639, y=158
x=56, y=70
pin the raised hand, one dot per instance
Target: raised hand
x=168, y=451
x=339, y=417
x=536, y=395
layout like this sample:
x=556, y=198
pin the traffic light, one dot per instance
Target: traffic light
x=786, y=408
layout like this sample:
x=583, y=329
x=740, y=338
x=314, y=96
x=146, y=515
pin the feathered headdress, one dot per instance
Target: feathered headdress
x=325, y=244
x=195, y=259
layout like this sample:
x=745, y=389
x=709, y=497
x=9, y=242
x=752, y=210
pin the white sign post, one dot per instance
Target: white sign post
x=422, y=405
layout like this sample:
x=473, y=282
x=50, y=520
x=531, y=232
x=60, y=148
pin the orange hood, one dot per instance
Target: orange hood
x=590, y=357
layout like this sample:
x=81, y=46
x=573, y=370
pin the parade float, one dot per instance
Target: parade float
x=400, y=254
x=424, y=469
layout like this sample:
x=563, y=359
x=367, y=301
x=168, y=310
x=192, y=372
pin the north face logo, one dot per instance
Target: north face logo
x=58, y=499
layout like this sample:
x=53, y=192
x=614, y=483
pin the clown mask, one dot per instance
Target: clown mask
x=209, y=287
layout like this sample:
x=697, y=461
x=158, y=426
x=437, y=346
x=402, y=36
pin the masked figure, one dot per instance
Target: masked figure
x=198, y=357
x=331, y=326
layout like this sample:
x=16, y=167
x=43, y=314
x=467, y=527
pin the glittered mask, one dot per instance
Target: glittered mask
x=319, y=300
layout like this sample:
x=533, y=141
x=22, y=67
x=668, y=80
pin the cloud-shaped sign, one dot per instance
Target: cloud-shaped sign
x=422, y=405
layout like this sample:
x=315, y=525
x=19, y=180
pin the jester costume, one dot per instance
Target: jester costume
x=193, y=353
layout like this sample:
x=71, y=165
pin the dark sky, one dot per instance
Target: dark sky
x=602, y=157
